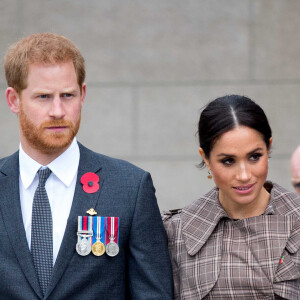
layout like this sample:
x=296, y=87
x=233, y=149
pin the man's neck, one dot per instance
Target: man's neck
x=42, y=158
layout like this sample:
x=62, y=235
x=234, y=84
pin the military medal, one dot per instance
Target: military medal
x=112, y=248
x=83, y=247
x=98, y=247
x=84, y=233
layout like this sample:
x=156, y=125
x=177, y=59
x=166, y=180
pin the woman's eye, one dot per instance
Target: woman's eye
x=227, y=161
x=255, y=156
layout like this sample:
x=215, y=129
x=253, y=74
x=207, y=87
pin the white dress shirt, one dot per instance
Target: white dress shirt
x=60, y=188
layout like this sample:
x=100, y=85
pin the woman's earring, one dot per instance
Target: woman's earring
x=209, y=176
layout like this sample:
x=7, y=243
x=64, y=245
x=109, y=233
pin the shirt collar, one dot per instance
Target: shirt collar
x=64, y=167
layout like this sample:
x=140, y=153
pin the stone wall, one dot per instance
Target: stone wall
x=152, y=65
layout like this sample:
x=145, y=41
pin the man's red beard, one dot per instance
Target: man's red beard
x=47, y=142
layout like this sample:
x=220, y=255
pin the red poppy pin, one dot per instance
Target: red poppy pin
x=90, y=182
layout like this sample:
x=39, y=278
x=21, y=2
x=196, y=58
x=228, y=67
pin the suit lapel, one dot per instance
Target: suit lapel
x=12, y=216
x=82, y=202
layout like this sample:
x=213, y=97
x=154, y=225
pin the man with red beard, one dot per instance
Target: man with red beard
x=74, y=224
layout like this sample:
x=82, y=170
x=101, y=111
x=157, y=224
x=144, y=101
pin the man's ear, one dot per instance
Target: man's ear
x=201, y=152
x=12, y=99
x=83, y=93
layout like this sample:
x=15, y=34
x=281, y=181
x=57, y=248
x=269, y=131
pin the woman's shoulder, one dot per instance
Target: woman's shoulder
x=167, y=215
x=170, y=217
x=174, y=220
x=284, y=201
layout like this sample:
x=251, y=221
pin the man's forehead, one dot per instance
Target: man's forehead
x=295, y=160
x=295, y=172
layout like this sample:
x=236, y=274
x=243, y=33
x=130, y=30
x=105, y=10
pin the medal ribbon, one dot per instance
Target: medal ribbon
x=84, y=223
x=99, y=229
x=112, y=228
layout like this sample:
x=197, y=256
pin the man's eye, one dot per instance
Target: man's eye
x=67, y=95
x=297, y=185
x=44, y=96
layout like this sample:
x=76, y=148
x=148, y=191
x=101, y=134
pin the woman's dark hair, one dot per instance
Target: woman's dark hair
x=226, y=113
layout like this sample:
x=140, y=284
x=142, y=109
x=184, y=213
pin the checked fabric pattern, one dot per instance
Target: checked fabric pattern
x=215, y=257
x=41, y=232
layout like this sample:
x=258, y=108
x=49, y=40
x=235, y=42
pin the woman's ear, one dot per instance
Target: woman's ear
x=270, y=142
x=12, y=99
x=201, y=152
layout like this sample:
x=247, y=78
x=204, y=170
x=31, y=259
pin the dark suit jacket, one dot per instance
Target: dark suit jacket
x=141, y=270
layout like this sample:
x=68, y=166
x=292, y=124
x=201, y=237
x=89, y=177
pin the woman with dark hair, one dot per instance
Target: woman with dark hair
x=241, y=240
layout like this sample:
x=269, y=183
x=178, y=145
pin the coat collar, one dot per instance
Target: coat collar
x=200, y=219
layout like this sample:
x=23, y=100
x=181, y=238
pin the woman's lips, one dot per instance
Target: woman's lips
x=244, y=189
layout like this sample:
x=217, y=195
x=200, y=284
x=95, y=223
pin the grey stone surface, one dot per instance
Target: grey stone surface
x=279, y=172
x=177, y=183
x=160, y=40
x=10, y=24
x=277, y=44
x=169, y=116
x=281, y=105
x=168, y=120
x=9, y=130
x=151, y=66
x=106, y=121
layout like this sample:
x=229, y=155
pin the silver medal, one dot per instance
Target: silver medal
x=112, y=249
x=83, y=247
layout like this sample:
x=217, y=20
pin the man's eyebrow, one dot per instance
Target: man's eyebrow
x=232, y=155
x=41, y=91
x=68, y=90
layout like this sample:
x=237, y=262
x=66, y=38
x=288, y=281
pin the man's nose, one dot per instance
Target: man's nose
x=57, y=108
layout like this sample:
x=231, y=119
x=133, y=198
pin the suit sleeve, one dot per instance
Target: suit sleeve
x=150, y=272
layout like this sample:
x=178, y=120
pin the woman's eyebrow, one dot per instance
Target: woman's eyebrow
x=232, y=155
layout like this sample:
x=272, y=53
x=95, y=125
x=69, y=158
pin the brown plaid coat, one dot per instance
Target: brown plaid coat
x=215, y=257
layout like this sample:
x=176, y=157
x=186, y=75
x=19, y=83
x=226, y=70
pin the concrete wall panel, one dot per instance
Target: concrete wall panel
x=160, y=40
x=151, y=66
x=277, y=39
x=106, y=117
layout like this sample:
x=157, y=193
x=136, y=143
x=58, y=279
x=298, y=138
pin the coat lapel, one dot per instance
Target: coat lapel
x=82, y=202
x=199, y=221
x=12, y=215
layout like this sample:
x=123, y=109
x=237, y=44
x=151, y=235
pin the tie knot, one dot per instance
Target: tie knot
x=43, y=175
